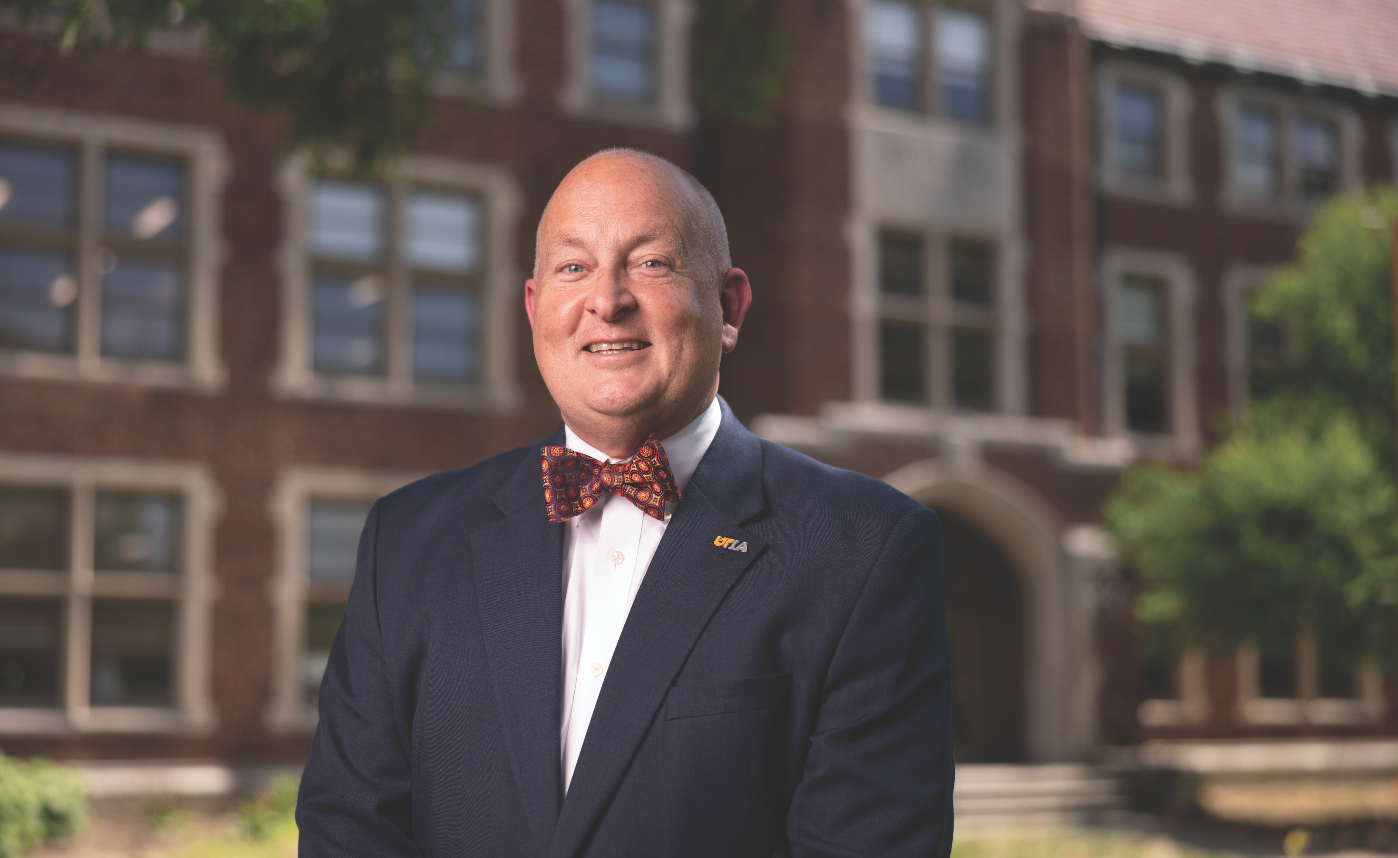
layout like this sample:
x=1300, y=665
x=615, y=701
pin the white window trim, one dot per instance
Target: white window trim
x=1176, y=187
x=1309, y=708
x=500, y=83
x=287, y=712
x=938, y=318
x=1183, y=440
x=91, y=133
x=673, y=109
x=1240, y=280
x=194, y=709
x=1191, y=708
x=502, y=292
x=1289, y=206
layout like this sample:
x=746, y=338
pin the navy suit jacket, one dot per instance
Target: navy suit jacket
x=790, y=699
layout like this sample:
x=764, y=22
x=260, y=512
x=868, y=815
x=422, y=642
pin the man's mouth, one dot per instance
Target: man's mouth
x=617, y=347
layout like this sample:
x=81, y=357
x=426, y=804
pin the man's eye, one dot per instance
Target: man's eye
x=572, y=268
x=652, y=263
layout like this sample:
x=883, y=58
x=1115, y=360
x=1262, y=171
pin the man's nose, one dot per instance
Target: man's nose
x=611, y=295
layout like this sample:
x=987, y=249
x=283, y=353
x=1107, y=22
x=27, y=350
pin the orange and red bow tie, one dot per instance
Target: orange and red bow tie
x=574, y=482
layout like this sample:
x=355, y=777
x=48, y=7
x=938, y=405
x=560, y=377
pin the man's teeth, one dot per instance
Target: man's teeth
x=627, y=346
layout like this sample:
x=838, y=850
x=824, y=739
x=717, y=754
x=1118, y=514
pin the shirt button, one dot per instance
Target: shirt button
x=597, y=670
x=617, y=557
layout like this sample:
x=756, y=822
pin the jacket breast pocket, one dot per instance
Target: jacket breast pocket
x=736, y=695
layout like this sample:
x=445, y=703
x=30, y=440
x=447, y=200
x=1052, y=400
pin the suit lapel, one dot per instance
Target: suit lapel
x=519, y=589
x=686, y=581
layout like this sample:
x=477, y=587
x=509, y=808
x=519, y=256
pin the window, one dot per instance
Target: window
x=1257, y=348
x=623, y=50
x=478, y=52
x=332, y=539
x=1287, y=154
x=938, y=335
x=1149, y=389
x=319, y=516
x=1316, y=142
x=628, y=62
x=433, y=272
x=1142, y=332
x=465, y=42
x=1266, y=352
x=1144, y=139
x=396, y=289
x=103, y=622
x=108, y=249
x=1257, y=154
x=1174, y=691
x=1139, y=113
x=929, y=57
x=1302, y=681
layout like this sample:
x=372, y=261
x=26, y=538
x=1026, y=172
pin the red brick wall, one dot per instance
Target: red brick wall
x=1059, y=223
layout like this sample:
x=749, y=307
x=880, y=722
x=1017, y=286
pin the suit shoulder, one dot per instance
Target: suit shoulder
x=465, y=491
x=787, y=472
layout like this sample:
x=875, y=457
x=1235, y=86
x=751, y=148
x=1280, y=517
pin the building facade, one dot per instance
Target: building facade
x=1001, y=251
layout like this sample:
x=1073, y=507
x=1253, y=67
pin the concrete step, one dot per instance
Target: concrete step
x=999, y=794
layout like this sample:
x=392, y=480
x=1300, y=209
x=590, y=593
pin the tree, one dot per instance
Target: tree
x=357, y=75
x=1290, y=525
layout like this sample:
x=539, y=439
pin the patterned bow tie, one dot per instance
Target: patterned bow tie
x=573, y=482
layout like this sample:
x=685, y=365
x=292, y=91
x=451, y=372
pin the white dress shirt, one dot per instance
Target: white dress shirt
x=605, y=555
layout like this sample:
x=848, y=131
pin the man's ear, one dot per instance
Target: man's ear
x=735, y=296
x=530, y=296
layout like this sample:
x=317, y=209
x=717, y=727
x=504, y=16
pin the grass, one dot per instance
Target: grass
x=1066, y=842
x=262, y=826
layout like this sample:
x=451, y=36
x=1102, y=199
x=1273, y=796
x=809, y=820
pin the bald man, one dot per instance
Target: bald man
x=652, y=633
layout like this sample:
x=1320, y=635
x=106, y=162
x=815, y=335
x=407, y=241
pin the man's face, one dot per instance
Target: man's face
x=629, y=324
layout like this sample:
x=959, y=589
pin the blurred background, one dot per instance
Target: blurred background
x=1105, y=283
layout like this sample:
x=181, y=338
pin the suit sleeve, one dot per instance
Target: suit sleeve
x=879, y=773
x=355, y=793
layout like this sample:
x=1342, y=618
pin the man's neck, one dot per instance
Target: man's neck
x=620, y=439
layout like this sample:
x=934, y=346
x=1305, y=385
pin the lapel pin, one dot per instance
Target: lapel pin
x=730, y=543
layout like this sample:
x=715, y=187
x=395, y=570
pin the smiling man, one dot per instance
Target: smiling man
x=652, y=634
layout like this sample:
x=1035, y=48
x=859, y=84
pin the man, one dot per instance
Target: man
x=653, y=634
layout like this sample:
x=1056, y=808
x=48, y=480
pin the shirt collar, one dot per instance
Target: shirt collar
x=684, y=449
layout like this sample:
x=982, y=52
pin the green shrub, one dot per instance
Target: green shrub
x=261, y=817
x=39, y=801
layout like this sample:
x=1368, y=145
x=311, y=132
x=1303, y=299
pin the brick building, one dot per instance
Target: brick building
x=999, y=251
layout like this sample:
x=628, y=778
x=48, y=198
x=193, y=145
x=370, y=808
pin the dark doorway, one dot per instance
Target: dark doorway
x=984, y=622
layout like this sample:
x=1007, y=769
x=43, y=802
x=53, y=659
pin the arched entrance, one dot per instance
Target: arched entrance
x=1013, y=542
x=985, y=625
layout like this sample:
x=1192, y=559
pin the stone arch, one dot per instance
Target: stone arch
x=1028, y=532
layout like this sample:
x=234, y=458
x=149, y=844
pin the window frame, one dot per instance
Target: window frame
x=91, y=136
x=940, y=316
x=928, y=70
x=1240, y=281
x=1177, y=274
x=1289, y=205
x=295, y=375
x=1176, y=186
x=1308, y=707
x=192, y=591
x=672, y=109
x=290, y=589
x=499, y=81
x=1190, y=706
